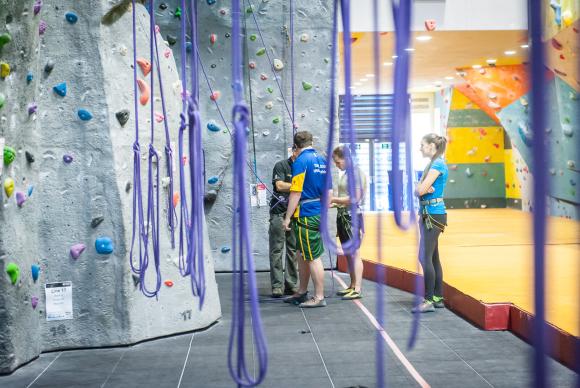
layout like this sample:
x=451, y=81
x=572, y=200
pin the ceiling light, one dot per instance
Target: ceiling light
x=449, y=78
x=491, y=61
x=363, y=79
x=409, y=49
x=525, y=46
x=510, y=52
x=369, y=75
x=388, y=63
x=394, y=57
x=423, y=38
x=476, y=66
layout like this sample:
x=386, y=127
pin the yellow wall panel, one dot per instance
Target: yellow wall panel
x=512, y=182
x=460, y=101
x=475, y=145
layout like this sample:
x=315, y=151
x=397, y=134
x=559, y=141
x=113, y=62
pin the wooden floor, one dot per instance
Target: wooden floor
x=488, y=254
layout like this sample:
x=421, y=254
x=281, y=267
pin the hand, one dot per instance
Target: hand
x=430, y=190
x=286, y=224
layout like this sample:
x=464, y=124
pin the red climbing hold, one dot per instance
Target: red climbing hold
x=430, y=25
x=557, y=45
x=145, y=91
x=214, y=96
x=212, y=38
x=252, y=65
x=562, y=57
x=168, y=283
x=145, y=65
x=175, y=199
x=482, y=132
x=263, y=77
x=353, y=39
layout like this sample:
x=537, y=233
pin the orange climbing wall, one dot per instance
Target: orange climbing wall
x=493, y=88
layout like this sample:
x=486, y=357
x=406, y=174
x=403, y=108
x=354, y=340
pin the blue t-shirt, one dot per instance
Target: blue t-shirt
x=308, y=178
x=439, y=186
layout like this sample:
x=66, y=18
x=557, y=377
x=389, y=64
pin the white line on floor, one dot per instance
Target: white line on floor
x=41, y=373
x=185, y=362
x=317, y=348
x=114, y=368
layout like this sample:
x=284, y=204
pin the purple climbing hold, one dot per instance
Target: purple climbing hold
x=60, y=89
x=42, y=26
x=34, y=301
x=35, y=269
x=36, y=7
x=77, y=249
x=20, y=198
x=85, y=115
x=104, y=245
x=71, y=17
x=67, y=158
x=32, y=108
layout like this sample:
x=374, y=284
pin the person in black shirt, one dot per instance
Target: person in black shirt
x=282, y=281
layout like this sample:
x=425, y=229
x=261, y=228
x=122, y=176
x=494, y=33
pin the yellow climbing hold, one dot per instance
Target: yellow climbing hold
x=567, y=18
x=9, y=186
x=4, y=69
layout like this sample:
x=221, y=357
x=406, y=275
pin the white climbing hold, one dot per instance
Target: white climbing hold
x=269, y=105
x=165, y=182
x=493, y=105
x=304, y=38
x=278, y=65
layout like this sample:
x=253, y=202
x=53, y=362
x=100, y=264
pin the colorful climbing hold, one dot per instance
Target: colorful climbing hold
x=278, y=65
x=159, y=117
x=60, y=89
x=177, y=12
x=84, y=114
x=42, y=26
x=49, y=66
x=252, y=65
x=13, y=270
x=223, y=11
x=250, y=9
x=304, y=38
x=145, y=66
x=175, y=199
x=270, y=90
x=213, y=180
x=227, y=34
x=524, y=133
x=225, y=249
x=253, y=37
x=4, y=70
x=9, y=155
x=263, y=77
x=430, y=25
x=567, y=18
x=104, y=245
x=144, y=90
x=32, y=108
x=557, y=12
x=168, y=283
x=34, y=301
x=171, y=39
x=487, y=159
x=77, y=249
x=71, y=17
x=20, y=198
x=122, y=116
x=37, y=7
x=212, y=38
x=468, y=172
x=212, y=126
x=163, y=6
x=29, y=157
x=214, y=96
x=35, y=270
x=210, y=2
x=276, y=120
x=67, y=159
x=269, y=105
x=306, y=85
x=261, y=51
x=5, y=38
x=2, y=100
x=96, y=221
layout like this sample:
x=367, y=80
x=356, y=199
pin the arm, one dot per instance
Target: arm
x=293, y=201
x=283, y=187
x=425, y=186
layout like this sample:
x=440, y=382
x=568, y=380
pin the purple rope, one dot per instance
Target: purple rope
x=292, y=65
x=353, y=244
x=540, y=161
x=241, y=236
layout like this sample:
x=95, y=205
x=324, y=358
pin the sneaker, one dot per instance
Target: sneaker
x=312, y=303
x=296, y=299
x=425, y=307
x=438, y=302
x=352, y=295
x=290, y=291
x=277, y=292
x=345, y=291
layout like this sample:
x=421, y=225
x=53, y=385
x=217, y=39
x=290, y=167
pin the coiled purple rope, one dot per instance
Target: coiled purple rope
x=540, y=188
x=241, y=238
x=353, y=244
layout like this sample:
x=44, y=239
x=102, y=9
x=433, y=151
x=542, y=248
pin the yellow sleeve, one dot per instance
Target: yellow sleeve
x=298, y=182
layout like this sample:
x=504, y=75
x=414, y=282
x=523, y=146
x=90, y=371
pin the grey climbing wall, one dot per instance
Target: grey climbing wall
x=80, y=174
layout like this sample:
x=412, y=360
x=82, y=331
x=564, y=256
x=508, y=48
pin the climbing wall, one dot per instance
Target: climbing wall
x=475, y=155
x=443, y=103
x=267, y=60
x=68, y=115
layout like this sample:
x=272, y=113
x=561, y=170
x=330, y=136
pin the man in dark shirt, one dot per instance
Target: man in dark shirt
x=281, y=182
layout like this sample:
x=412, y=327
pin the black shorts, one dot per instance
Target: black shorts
x=344, y=224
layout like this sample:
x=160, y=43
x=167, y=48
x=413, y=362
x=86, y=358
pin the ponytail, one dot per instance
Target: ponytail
x=440, y=146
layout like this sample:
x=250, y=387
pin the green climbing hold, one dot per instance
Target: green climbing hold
x=177, y=12
x=9, y=155
x=249, y=9
x=276, y=120
x=13, y=270
x=2, y=100
x=306, y=85
x=253, y=37
x=261, y=51
x=326, y=60
x=5, y=38
x=270, y=90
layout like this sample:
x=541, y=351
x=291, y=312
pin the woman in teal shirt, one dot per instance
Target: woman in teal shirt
x=433, y=219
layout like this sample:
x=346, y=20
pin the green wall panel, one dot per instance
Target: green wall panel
x=470, y=118
x=486, y=180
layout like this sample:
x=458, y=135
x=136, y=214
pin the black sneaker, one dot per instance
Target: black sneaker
x=297, y=299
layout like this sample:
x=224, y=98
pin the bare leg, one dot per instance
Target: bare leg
x=303, y=274
x=317, y=274
x=357, y=273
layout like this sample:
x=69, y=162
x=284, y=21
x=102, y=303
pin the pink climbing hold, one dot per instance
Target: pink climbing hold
x=215, y=95
x=167, y=53
x=482, y=132
x=77, y=249
x=212, y=38
x=144, y=90
x=184, y=161
x=42, y=26
x=430, y=25
x=252, y=65
x=145, y=66
x=557, y=45
x=20, y=198
x=263, y=77
x=36, y=7
x=159, y=117
x=34, y=301
x=157, y=29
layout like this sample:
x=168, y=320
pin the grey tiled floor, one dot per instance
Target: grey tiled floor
x=338, y=352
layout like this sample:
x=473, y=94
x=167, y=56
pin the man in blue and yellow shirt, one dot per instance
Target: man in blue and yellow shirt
x=308, y=179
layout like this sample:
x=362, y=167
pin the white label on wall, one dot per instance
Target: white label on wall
x=258, y=195
x=58, y=301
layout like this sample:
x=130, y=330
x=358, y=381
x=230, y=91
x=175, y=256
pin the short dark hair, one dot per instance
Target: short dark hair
x=303, y=139
x=341, y=152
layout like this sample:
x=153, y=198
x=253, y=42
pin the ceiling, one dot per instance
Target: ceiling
x=433, y=60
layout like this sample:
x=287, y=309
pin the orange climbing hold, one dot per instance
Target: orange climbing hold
x=145, y=66
x=175, y=199
x=168, y=283
x=145, y=91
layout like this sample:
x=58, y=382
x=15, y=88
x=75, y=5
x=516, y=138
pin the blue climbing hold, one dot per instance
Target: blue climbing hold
x=525, y=134
x=104, y=245
x=29, y=78
x=210, y=2
x=60, y=89
x=35, y=269
x=188, y=47
x=213, y=180
x=30, y=189
x=225, y=249
x=71, y=17
x=213, y=127
x=85, y=115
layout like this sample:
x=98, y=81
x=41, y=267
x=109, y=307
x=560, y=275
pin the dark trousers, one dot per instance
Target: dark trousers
x=429, y=257
x=280, y=278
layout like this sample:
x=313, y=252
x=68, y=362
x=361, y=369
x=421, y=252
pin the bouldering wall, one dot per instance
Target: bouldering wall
x=69, y=106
